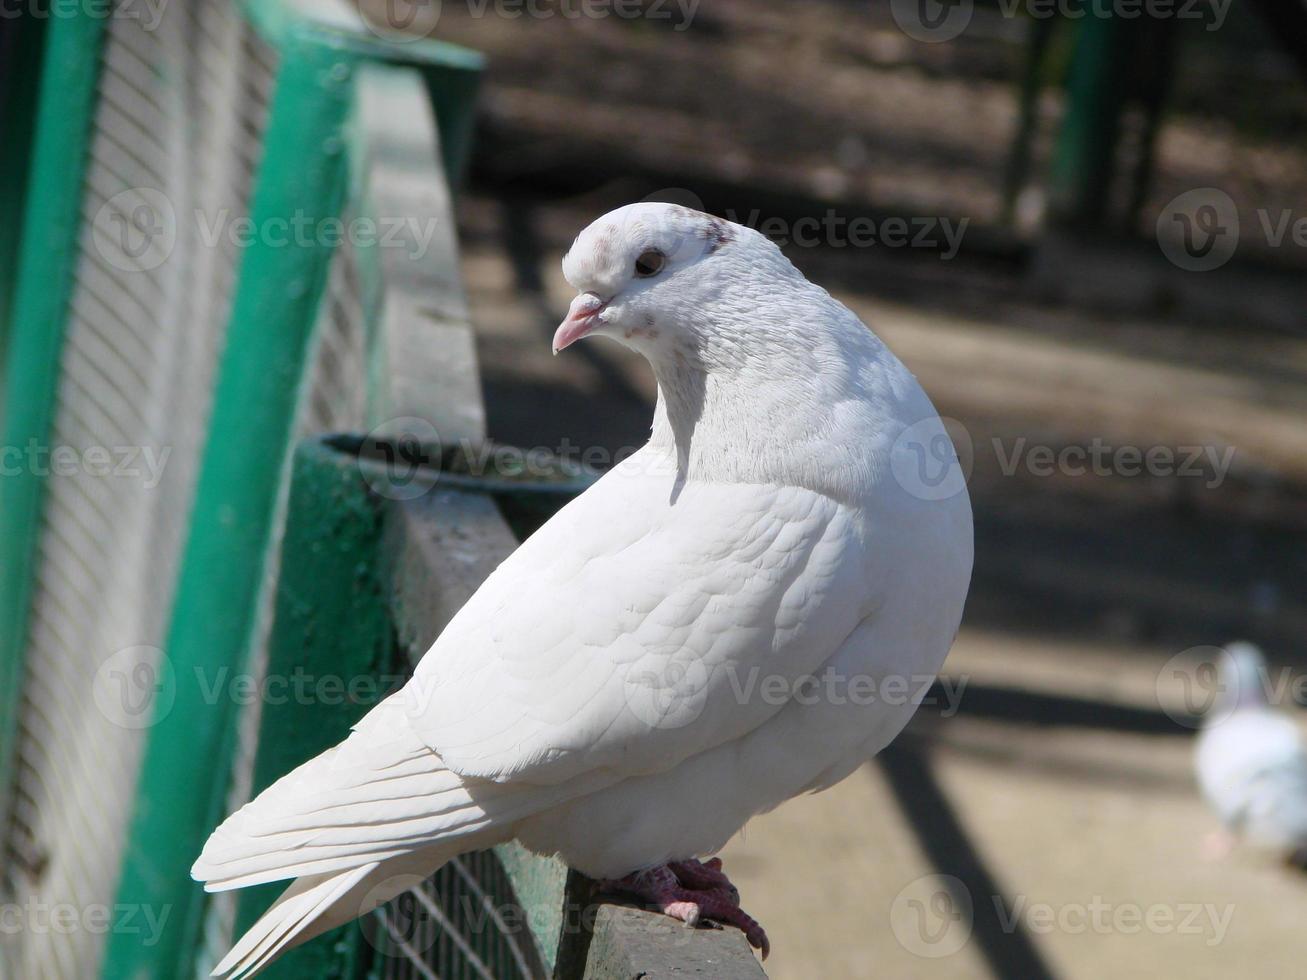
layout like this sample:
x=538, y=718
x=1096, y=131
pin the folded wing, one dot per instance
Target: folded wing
x=635, y=630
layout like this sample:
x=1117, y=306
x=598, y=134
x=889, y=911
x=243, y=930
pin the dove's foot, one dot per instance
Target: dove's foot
x=1217, y=845
x=690, y=891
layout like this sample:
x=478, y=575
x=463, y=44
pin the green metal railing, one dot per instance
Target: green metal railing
x=309, y=169
x=103, y=352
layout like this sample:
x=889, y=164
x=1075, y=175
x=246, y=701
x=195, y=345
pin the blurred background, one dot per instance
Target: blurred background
x=1081, y=223
x=1071, y=149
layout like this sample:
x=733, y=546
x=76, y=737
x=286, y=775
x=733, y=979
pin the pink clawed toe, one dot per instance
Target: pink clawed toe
x=691, y=891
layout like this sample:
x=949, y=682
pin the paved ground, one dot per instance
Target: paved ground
x=1059, y=799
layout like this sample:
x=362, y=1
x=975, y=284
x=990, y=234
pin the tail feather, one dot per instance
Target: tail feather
x=314, y=904
x=354, y=826
x=379, y=794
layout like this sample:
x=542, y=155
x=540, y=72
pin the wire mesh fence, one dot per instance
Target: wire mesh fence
x=464, y=923
x=177, y=122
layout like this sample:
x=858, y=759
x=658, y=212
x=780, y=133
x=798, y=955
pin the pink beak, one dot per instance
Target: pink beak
x=581, y=318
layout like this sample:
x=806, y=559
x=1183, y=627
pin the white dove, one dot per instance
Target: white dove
x=1250, y=759
x=746, y=609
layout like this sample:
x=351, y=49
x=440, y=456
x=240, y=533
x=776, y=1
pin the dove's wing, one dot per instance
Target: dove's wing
x=1252, y=769
x=632, y=632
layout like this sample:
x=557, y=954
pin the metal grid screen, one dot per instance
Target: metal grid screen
x=463, y=923
x=175, y=144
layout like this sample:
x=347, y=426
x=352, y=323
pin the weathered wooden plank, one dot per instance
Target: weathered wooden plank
x=441, y=547
x=634, y=944
x=420, y=301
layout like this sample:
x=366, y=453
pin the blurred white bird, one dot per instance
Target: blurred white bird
x=1250, y=760
x=746, y=609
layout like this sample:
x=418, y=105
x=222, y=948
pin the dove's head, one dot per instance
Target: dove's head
x=662, y=278
x=763, y=376
x=1241, y=683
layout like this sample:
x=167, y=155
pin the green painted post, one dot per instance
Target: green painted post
x=1087, y=144
x=452, y=88
x=46, y=261
x=331, y=637
x=1039, y=34
x=185, y=772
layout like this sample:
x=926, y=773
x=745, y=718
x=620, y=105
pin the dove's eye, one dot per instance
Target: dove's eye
x=650, y=263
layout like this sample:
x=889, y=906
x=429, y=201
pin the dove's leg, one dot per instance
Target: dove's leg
x=703, y=875
x=690, y=891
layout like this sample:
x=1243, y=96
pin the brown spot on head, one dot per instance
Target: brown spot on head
x=719, y=234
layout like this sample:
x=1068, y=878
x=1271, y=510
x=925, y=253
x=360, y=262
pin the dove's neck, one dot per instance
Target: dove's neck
x=813, y=417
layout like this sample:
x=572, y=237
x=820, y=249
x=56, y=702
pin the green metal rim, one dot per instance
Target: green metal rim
x=278, y=20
